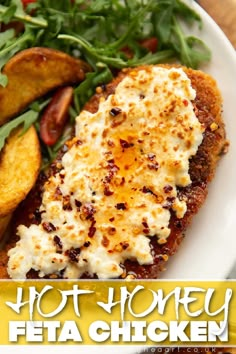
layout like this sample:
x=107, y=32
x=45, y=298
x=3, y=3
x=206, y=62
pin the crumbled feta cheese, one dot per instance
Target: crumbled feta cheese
x=120, y=179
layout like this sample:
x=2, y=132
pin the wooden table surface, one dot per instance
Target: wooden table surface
x=224, y=14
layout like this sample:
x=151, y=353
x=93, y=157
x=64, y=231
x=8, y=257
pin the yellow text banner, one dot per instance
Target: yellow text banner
x=163, y=313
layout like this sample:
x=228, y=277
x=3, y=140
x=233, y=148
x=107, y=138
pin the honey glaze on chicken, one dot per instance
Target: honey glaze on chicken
x=119, y=181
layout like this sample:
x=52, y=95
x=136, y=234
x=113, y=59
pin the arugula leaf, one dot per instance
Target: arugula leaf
x=200, y=52
x=86, y=89
x=187, y=13
x=21, y=15
x=6, y=36
x=149, y=59
x=12, y=47
x=100, y=5
x=192, y=51
x=27, y=119
x=8, y=14
x=3, y=80
x=162, y=19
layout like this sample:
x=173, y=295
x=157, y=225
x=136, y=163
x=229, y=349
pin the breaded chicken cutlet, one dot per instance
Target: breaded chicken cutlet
x=122, y=193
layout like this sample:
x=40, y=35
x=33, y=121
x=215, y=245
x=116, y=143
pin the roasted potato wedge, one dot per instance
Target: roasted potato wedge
x=4, y=221
x=19, y=167
x=34, y=72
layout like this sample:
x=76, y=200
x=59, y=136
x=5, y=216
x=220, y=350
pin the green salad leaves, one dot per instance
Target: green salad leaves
x=98, y=30
x=108, y=34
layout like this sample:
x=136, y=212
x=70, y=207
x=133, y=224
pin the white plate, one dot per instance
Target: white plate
x=209, y=249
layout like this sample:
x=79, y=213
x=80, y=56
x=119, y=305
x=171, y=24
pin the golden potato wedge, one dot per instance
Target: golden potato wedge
x=19, y=167
x=4, y=221
x=34, y=72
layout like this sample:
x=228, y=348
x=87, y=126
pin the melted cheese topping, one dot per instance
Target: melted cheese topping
x=118, y=181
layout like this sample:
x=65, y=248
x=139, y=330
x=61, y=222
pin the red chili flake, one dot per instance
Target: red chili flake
x=87, y=244
x=121, y=206
x=185, y=102
x=153, y=166
x=112, y=170
x=112, y=166
x=73, y=254
x=151, y=156
x=169, y=202
x=122, y=181
x=88, y=210
x=115, y=111
x=58, y=192
x=146, y=228
x=124, y=245
x=145, y=224
x=79, y=142
x=125, y=144
x=66, y=203
x=107, y=179
x=58, y=242
x=170, y=199
x=146, y=231
x=78, y=204
x=92, y=229
x=111, y=231
x=147, y=190
x=168, y=188
x=48, y=226
x=112, y=219
x=107, y=191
